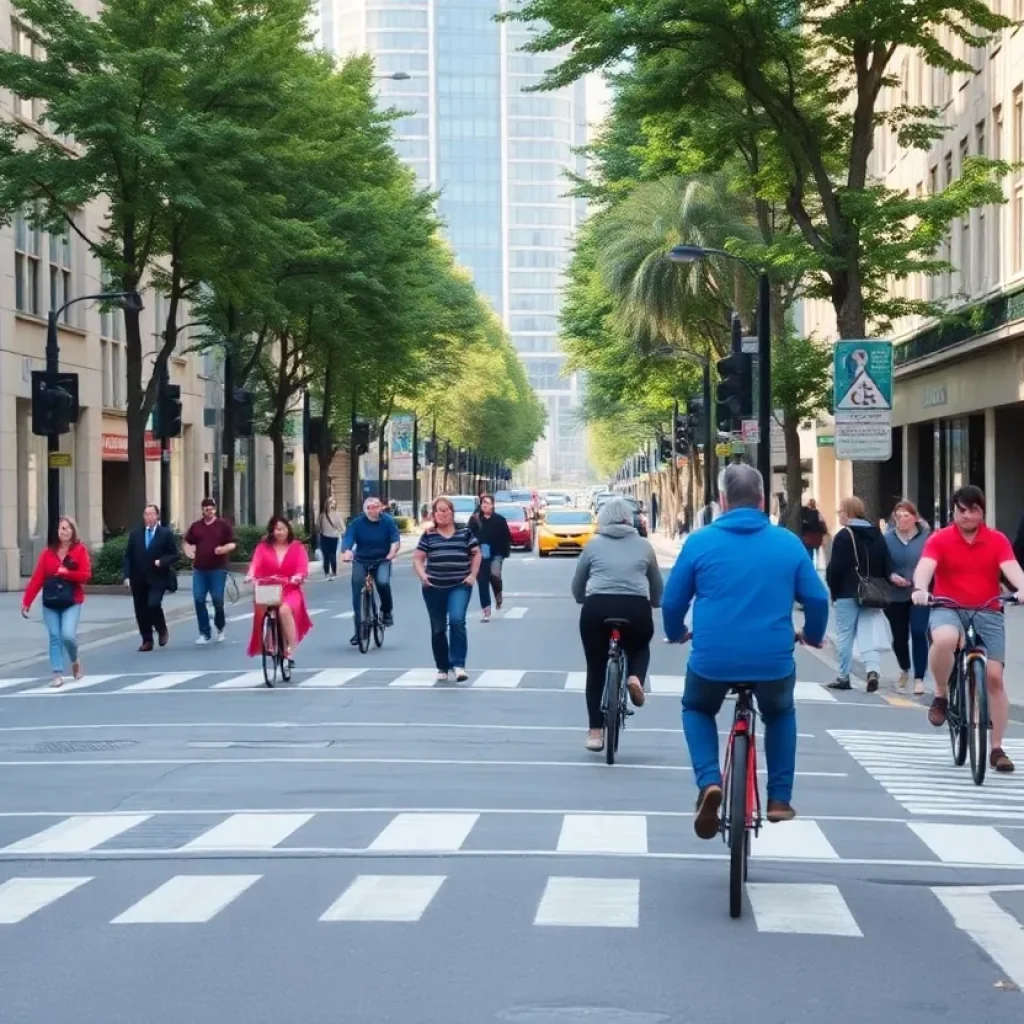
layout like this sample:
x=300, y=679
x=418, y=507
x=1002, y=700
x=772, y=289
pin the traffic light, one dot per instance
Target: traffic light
x=242, y=412
x=736, y=384
x=665, y=450
x=167, y=412
x=361, y=438
x=430, y=453
x=695, y=421
x=54, y=402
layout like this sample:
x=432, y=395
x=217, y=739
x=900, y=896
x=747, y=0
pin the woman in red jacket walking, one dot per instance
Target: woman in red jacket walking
x=60, y=572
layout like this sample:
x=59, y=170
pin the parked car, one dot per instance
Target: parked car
x=567, y=530
x=519, y=525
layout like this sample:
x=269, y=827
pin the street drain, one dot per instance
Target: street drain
x=76, y=746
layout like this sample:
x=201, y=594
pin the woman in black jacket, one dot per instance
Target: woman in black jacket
x=495, y=540
x=859, y=552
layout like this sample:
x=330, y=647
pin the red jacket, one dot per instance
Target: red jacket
x=48, y=565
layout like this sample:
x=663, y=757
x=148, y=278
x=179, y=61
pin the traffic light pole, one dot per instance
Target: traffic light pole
x=165, y=456
x=709, y=444
x=764, y=385
x=306, y=491
x=52, y=440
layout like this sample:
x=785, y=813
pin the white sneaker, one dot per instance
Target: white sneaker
x=220, y=636
x=202, y=641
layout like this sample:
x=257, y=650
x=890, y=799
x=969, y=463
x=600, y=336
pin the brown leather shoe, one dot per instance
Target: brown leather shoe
x=937, y=712
x=146, y=645
x=779, y=810
x=705, y=821
x=164, y=637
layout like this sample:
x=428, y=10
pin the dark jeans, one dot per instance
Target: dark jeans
x=447, y=609
x=909, y=632
x=149, y=612
x=490, y=577
x=329, y=549
x=209, y=581
x=382, y=578
x=636, y=639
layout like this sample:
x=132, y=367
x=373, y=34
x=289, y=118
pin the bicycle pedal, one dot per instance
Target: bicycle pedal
x=630, y=712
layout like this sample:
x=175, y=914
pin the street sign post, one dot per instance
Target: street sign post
x=863, y=373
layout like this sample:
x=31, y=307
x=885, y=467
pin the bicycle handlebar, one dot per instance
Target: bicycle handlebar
x=271, y=579
x=948, y=602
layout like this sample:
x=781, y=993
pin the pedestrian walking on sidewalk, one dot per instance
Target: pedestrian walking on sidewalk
x=495, y=540
x=209, y=542
x=149, y=563
x=859, y=578
x=61, y=571
x=813, y=530
x=331, y=527
x=447, y=561
x=906, y=537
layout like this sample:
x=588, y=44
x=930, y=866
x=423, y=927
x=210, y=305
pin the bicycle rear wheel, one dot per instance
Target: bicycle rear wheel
x=378, y=624
x=365, y=625
x=956, y=716
x=738, y=840
x=977, y=718
x=270, y=649
x=612, y=686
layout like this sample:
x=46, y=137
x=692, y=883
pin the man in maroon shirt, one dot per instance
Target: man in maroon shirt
x=208, y=543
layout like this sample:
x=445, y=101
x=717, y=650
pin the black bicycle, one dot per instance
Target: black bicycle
x=268, y=595
x=614, y=705
x=741, y=799
x=967, y=715
x=370, y=621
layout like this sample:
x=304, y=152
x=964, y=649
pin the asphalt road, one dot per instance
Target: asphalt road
x=179, y=843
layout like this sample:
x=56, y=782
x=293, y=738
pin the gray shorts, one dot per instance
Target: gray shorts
x=989, y=627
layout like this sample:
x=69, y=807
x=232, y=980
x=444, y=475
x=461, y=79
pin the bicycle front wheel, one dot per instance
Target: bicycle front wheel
x=270, y=649
x=738, y=822
x=977, y=718
x=612, y=687
x=956, y=717
x=365, y=623
x=378, y=625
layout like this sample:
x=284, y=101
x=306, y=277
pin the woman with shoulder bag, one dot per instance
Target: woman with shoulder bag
x=859, y=578
x=61, y=571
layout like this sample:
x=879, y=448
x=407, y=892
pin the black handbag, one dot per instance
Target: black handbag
x=58, y=594
x=872, y=592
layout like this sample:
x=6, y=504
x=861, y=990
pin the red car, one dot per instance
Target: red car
x=518, y=525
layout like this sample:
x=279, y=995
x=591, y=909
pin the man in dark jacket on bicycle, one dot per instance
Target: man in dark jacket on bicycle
x=744, y=575
x=374, y=536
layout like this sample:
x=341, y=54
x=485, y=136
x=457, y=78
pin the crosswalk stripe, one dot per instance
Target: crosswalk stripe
x=249, y=832
x=187, y=899
x=73, y=684
x=22, y=897
x=672, y=685
x=590, y=903
x=242, y=682
x=804, y=909
x=77, y=834
x=499, y=679
x=576, y=681
x=603, y=833
x=800, y=840
x=968, y=844
x=6, y=684
x=436, y=833
x=344, y=615
x=402, y=898
x=332, y=677
x=516, y=612
x=994, y=929
x=416, y=677
x=165, y=681
x=316, y=611
x=813, y=692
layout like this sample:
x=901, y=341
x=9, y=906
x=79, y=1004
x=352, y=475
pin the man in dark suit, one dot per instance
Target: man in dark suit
x=149, y=562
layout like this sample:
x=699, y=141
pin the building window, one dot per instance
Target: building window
x=30, y=109
x=61, y=272
x=997, y=212
x=113, y=368
x=27, y=265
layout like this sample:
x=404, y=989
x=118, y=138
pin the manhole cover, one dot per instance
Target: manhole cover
x=579, y=1015
x=76, y=746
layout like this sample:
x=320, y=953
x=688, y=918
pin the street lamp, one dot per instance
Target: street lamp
x=125, y=300
x=694, y=254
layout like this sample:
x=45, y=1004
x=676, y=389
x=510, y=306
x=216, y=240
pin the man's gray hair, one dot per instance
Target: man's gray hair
x=615, y=510
x=741, y=486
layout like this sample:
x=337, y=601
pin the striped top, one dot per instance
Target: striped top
x=449, y=559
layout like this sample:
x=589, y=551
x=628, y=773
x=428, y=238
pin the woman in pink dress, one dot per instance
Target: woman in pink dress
x=280, y=555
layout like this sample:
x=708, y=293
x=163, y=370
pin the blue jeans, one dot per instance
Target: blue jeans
x=209, y=581
x=382, y=578
x=62, y=627
x=848, y=614
x=702, y=700
x=447, y=610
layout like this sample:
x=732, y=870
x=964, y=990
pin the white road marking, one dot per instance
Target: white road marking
x=418, y=677
x=499, y=679
x=6, y=684
x=187, y=899
x=601, y=833
x=240, y=618
x=316, y=611
x=436, y=833
x=332, y=678
x=576, y=681
x=78, y=834
x=70, y=685
x=515, y=612
x=249, y=832
x=980, y=843
x=590, y=903
x=801, y=839
x=801, y=909
x=344, y=615
x=245, y=681
x=813, y=692
x=22, y=897
x=163, y=682
x=397, y=898
x=667, y=685
x=993, y=929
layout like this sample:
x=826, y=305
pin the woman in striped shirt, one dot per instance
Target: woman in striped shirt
x=447, y=560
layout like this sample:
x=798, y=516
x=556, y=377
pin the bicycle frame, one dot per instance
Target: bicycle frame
x=744, y=722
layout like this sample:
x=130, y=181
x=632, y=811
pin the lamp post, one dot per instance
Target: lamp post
x=124, y=300
x=696, y=253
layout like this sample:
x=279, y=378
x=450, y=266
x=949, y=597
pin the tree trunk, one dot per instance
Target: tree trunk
x=137, y=411
x=277, y=437
x=325, y=452
x=227, y=487
x=794, y=487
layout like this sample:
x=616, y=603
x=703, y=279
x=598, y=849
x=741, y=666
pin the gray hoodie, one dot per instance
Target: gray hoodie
x=905, y=556
x=618, y=561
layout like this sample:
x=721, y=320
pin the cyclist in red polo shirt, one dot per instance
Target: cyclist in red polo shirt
x=967, y=561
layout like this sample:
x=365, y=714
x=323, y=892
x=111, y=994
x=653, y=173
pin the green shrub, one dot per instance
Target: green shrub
x=248, y=536
x=404, y=524
x=108, y=562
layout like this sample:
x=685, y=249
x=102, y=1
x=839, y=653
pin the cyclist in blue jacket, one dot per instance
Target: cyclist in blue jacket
x=743, y=574
x=375, y=538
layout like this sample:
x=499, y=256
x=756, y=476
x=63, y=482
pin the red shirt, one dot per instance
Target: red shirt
x=48, y=565
x=968, y=573
x=205, y=537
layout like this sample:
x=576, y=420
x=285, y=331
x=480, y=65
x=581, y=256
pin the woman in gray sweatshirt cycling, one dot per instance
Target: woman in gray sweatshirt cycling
x=905, y=538
x=617, y=577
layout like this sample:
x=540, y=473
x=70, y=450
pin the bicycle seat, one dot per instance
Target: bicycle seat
x=742, y=688
x=617, y=622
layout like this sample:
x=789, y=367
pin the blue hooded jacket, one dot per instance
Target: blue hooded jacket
x=745, y=574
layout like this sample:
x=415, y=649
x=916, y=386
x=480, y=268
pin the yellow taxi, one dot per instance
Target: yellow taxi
x=565, y=530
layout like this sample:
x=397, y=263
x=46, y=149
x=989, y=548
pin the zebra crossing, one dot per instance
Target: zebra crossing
x=365, y=677
x=384, y=833
x=916, y=769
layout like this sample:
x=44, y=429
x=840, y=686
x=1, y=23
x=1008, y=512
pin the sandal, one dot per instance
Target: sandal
x=76, y=669
x=57, y=682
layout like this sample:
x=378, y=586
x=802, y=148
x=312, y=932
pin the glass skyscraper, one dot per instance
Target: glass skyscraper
x=498, y=157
